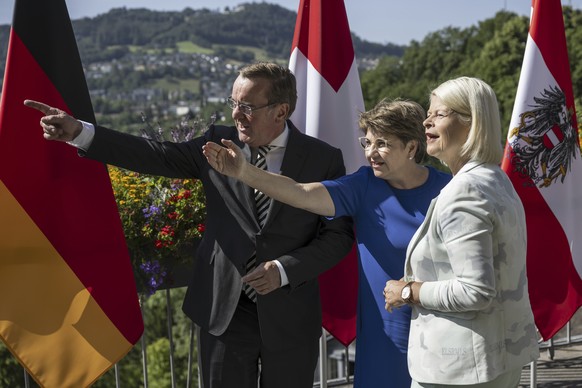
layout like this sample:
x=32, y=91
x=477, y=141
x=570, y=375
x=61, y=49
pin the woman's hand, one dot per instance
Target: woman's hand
x=227, y=160
x=392, y=293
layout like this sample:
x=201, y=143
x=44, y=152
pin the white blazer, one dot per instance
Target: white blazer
x=474, y=321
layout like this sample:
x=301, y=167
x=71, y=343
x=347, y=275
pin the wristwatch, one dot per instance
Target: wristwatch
x=406, y=293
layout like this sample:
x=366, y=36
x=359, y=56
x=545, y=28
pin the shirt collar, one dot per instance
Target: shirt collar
x=280, y=142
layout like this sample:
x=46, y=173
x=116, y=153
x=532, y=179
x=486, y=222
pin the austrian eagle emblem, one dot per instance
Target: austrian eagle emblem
x=545, y=141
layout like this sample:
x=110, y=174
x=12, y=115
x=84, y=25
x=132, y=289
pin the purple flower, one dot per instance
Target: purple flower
x=151, y=211
x=156, y=275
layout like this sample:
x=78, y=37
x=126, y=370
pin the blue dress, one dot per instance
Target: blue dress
x=385, y=220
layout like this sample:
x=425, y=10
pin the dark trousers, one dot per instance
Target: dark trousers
x=238, y=359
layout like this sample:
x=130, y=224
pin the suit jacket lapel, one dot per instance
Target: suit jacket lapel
x=295, y=153
x=292, y=165
x=242, y=200
x=420, y=232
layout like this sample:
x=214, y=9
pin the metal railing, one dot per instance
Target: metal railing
x=336, y=361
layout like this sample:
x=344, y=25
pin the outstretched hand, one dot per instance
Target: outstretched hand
x=227, y=160
x=56, y=123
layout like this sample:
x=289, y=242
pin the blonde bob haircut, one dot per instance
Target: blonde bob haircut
x=475, y=103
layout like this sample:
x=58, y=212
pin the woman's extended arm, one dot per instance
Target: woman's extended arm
x=230, y=161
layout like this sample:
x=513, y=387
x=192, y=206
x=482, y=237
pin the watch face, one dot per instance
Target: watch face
x=406, y=292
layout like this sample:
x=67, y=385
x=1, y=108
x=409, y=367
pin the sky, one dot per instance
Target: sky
x=379, y=21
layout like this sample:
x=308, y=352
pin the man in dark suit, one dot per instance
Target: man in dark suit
x=274, y=338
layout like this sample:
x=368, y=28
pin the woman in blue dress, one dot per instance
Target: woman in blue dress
x=388, y=200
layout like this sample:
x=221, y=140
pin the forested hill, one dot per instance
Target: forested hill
x=245, y=27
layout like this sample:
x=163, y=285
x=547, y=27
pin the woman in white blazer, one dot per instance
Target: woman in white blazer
x=465, y=270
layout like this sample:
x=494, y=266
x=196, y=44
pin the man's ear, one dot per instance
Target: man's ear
x=282, y=111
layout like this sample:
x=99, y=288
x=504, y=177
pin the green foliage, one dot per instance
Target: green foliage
x=243, y=56
x=192, y=48
x=158, y=348
x=264, y=26
x=11, y=373
x=493, y=51
x=573, y=25
x=499, y=61
x=261, y=25
x=159, y=371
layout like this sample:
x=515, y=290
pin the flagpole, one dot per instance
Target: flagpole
x=323, y=359
x=26, y=379
x=533, y=374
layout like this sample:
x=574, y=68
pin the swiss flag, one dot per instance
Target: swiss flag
x=68, y=302
x=542, y=158
x=329, y=102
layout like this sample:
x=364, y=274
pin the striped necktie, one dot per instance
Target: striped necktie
x=262, y=203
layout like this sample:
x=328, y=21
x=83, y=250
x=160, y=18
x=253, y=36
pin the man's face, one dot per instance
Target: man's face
x=263, y=125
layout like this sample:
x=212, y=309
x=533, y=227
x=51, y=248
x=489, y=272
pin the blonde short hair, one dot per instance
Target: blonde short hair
x=476, y=104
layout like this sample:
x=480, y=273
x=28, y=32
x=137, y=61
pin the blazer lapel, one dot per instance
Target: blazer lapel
x=295, y=153
x=419, y=234
x=292, y=165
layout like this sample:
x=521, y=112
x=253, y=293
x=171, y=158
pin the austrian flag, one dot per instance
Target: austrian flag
x=542, y=159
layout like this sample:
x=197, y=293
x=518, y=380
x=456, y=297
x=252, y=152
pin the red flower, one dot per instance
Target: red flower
x=201, y=228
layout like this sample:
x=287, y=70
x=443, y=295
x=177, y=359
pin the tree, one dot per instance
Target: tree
x=499, y=63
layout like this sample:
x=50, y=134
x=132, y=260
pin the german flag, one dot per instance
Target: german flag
x=68, y=302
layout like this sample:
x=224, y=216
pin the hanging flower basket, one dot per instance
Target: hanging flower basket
x=171, y=271
x=163, y=220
